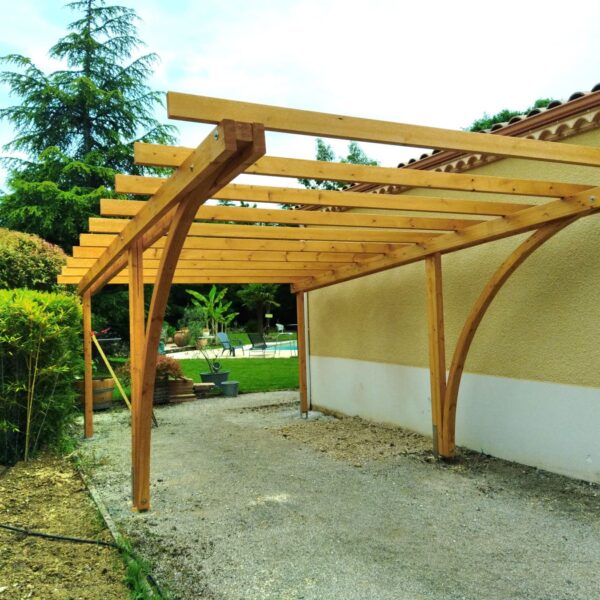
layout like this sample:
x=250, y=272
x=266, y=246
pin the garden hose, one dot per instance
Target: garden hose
x=75, y=540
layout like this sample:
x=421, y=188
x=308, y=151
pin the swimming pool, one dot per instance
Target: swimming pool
x=292, y=346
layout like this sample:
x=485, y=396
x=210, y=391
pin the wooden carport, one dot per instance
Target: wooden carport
x=174, y=238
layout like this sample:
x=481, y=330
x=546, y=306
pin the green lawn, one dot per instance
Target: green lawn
x=254, y=374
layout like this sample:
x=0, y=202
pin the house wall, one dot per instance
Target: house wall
x=531, y=390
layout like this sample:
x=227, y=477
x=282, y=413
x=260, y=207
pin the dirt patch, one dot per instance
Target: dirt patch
x=47, y=495
x=356, y=440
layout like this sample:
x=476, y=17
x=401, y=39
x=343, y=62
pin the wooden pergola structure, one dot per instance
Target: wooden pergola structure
x=174, y=238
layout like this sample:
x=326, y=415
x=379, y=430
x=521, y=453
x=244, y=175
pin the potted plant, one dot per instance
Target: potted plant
x=169, y=379
x=215, y=375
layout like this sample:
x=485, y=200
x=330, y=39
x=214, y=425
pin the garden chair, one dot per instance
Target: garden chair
x=259, y=343
x=228, y=345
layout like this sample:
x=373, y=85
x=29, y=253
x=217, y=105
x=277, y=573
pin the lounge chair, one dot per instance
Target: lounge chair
x=228, y=345
x=259, y=343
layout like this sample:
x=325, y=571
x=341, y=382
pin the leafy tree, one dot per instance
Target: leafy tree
x=77, y=125
x=355, y=156
x=27, y=261
x=259, y=297
x=487, y=121
x=214, y=307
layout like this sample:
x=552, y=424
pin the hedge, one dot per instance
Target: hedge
x=40, y=346
x=28, y=261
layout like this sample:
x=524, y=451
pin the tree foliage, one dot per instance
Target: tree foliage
x=487, y=121
x=259, y=297
x=77, y=125
x=356, y=156
x=27, y=261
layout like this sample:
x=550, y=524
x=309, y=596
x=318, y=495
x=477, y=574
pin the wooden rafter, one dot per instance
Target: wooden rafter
x=168, y=156
x=129, y=208
x=138, y=185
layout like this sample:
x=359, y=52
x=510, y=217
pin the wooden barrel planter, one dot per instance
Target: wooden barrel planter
x=161, y=391
x=102, y=390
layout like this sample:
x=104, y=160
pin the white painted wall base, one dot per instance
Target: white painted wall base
x=547, y=425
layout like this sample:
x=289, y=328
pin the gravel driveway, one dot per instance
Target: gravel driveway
x=249, y=501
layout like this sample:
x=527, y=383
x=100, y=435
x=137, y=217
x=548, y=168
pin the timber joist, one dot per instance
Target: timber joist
x=175, y=237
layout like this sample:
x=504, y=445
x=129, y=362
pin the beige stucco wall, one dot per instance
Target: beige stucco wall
x=544, y=324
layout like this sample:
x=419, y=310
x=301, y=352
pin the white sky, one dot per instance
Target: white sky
x=432, y=62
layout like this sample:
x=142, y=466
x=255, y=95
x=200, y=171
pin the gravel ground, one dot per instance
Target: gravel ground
x=249, y=501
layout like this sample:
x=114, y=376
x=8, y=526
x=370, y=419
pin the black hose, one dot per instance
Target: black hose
x=65, y=538
x=60, y=538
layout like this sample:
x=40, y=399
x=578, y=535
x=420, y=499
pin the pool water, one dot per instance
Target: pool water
x=292, y=346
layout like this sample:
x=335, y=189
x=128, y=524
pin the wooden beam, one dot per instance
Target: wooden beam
x=202, y=109
x=525, y=220
x=302, y=354
x=199, y=171
x=196, y=279
x=101, y=225
x=137, y=184
x=200, y=266
x=85, y=255
x=129, y=208
x=249, y=244
x=157, y=155
x=437, y=353
x=474, y=318
x=88, y=406
x=246, y=270
x=136, y=350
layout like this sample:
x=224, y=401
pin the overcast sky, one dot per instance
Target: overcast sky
x=441, y=62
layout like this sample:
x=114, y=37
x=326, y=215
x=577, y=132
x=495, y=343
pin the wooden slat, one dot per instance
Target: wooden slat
x=196, y=279
x=203, y=109
x=526, y=220
x=232, y=243
x=129, y=208
x=100, y=225
x=88, y=414
x=85, y=255
x=201, y=167
x=137, y=184
x=201, y=266
x=248, y=270
x=157, y=155
x=437, y=353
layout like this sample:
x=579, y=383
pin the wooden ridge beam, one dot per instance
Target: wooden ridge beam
x=100, y=225
x=129, y=208
x=171, y=156
x=525, y=220
x=203, y=109
x=139, y=185
x=233, y=243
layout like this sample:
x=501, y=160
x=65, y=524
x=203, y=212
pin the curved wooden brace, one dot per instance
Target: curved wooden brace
x=241, y=151
x=508, y=267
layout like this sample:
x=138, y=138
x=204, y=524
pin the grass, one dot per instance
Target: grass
x=254, y=374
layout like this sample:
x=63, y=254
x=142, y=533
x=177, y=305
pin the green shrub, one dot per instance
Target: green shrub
x=27, y=261
x=40, y=335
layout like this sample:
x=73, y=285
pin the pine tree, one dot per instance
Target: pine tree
x=77, y=125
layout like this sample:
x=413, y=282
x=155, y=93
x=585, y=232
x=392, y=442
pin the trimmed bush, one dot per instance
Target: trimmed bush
x=27, y=261
x=40, y=349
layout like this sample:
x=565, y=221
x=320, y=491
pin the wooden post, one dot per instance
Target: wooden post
x=437, y=353
x=304, y=406
x=136, y=349
x=88, y=414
